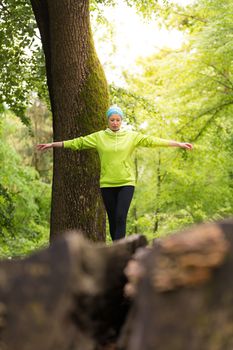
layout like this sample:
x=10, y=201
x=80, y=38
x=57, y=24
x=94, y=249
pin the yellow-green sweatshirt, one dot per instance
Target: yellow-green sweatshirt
x=115, y=150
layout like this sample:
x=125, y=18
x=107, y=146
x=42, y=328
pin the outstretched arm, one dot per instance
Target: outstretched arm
x=180, y=144
x=45, y=146
x=151, y=141
x=79, y=143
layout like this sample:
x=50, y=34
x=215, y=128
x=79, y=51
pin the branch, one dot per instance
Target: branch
x=217, y=81
x=190, y=16
x=219, y=71
x=205, y=126
x=137, y=97
x=41, y=12
x=213, y=109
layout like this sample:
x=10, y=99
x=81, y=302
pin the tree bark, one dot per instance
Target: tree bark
x=69, y=296
x=182, y=287
x=79, y=98
x=73, y=295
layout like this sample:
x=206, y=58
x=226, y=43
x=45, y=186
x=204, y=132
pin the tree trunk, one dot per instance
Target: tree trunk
x=135, y=213
x=79, y=98
x=83, y=312
x=159, y=180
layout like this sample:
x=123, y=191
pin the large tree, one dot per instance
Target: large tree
x=79, y=97
x=77, y=90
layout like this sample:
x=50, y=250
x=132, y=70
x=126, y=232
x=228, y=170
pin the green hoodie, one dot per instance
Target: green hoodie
x=115, y=151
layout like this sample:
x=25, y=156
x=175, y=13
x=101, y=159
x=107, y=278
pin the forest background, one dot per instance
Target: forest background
x=182, y=92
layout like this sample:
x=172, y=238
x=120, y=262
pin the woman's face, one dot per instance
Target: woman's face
x=114, y=122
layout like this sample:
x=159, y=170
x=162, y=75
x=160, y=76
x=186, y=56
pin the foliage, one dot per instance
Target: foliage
x=22, y=64
x=6, y=211
x=146, y=8
x=24, y=199
x=21, y=61
x=40, y=132
x=188, y=94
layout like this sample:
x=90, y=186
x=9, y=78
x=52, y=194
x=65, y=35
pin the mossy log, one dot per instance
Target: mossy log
x=182, y=290
x=67, y=297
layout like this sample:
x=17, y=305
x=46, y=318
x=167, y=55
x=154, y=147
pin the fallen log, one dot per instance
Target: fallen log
x=178, y=294
x=67, y=297
x=182, y=290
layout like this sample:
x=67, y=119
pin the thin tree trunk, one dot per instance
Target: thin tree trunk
x=79, y=97
x=157, y=210
x=135, y=213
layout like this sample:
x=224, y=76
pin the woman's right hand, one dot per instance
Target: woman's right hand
x=44, y=146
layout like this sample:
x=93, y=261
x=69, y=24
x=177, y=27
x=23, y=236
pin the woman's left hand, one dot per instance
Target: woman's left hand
x=186, y=145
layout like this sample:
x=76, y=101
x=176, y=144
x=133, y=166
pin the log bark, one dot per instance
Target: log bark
x=75, y=296
x=183, y=292
x=79, y=98
x=69, y=296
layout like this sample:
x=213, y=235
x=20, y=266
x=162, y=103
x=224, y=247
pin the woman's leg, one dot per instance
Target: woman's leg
x=124, y=199
x=109, y=195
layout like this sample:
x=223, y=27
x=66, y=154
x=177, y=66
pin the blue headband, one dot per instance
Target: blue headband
x=114, y=110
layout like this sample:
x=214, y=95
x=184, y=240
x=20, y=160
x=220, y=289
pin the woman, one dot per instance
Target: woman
x=117, y=179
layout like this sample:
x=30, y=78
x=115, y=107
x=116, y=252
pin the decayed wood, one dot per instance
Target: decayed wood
x=71, y=295
x=135, y=270
x=189, y=258
x=60, y=298
x=184, y=297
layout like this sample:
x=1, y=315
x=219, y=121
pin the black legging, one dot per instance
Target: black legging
x=117, y=201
